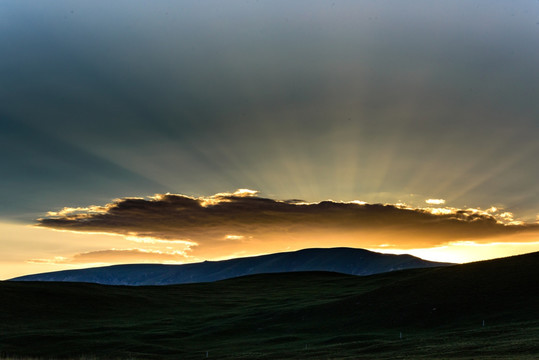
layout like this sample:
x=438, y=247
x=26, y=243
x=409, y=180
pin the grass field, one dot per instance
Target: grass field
x=433, y=313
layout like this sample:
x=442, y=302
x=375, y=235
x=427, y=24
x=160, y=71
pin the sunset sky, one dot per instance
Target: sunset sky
x=176, y=132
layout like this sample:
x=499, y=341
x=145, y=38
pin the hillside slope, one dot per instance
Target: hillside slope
x=484, y=310
x=342, y=260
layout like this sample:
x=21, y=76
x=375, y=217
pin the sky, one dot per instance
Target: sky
x=129, y=129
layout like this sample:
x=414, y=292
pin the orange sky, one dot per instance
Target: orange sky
x=181, y=229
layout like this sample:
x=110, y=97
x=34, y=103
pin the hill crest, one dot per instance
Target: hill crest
x=342, y=260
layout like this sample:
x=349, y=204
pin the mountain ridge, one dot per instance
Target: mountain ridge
x=343, y=260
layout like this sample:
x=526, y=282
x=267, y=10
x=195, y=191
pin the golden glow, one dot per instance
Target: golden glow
x=27, y=249
x=471, y=250
x=83, y=212
x=245, y=192
x=30, y=249
x=262, y=225
x=54, y=260
x=435, y=201
x=234, y=237
x=358, y=202
x=158, y=197
x=67, y=211
x=464, y=252
x=117, y=256
x=21, y=243
x=222, y=197
x=441, y=211
x=151, y=240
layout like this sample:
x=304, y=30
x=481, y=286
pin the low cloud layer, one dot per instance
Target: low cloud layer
x=232, y=222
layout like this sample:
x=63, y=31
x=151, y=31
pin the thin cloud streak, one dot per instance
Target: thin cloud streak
x=117, y=256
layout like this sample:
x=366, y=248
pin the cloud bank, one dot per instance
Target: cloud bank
x=241, y=221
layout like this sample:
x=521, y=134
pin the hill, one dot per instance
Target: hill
x=342, y=260
x=484, y=310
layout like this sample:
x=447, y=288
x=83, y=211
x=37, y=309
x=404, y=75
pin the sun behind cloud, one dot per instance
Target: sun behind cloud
x=244, y=222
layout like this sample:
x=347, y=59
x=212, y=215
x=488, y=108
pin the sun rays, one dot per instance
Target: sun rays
x=353, y=104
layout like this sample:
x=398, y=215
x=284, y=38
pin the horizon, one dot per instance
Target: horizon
x=215, y=261
x=442, y=264
x=177, y=133
x=432, y=254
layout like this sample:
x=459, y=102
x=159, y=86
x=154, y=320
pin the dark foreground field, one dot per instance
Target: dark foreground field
x=439, y=312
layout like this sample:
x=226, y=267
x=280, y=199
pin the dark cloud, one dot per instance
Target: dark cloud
x=244, y=217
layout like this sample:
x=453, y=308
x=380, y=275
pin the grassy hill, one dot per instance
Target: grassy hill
x=316, y=315
x=342, y=260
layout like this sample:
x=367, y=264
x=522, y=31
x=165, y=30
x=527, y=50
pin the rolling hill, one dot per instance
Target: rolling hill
x=484, y=310
x=343, y=260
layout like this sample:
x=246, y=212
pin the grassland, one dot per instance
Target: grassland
x=439, y=313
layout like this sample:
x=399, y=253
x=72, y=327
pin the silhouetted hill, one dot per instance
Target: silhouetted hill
x=430, y=313
x=341, y=260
